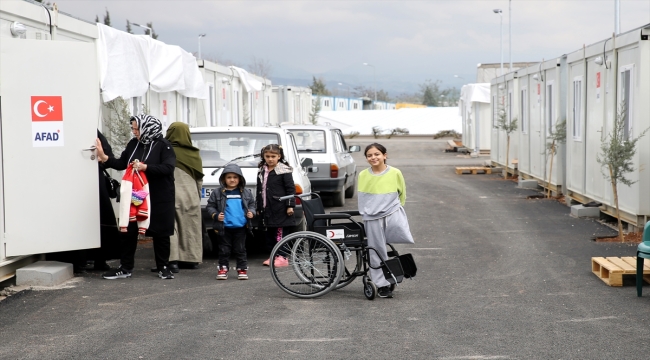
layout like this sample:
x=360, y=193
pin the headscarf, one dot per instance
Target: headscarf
x=150, y=128
x=187, y=156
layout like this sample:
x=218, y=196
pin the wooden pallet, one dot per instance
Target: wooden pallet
x=473, y=170
x=611, y=269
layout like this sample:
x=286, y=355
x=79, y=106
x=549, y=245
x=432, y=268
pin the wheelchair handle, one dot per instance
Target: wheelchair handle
x=289, y=197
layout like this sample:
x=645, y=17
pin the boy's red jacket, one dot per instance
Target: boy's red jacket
x=135, y=188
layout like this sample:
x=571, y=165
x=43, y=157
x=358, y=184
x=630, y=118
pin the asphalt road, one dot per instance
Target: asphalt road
x=500, y=277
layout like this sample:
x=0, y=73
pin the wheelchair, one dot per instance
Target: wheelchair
x=329, y=255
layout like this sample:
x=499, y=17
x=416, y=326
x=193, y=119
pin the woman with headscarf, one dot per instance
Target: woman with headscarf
x=148, y=152
x=187, y=241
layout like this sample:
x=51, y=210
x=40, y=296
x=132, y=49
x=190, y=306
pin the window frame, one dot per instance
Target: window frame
x=523, y=109
x=628, y=130
x=576, y=128
x=549, y=106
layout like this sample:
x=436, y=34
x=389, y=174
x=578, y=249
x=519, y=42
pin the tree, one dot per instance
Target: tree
x=315, y=110
x=509, y=127
x=617, y=154
x=557, y=136
x=382, y=95
x=318, y=87
x=128, y=27
x=153, y=32
x=432, y=94
x=107, y=18
x=261, y=67
x=118, y=124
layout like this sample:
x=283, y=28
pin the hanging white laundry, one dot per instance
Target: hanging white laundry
x=123, y=63
x=250, y=83
x=195, y=87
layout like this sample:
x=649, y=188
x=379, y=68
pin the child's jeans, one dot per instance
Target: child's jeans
x=273, y=236
x=233, y=239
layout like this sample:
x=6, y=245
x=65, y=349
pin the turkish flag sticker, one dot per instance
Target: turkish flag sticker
x=47, y=108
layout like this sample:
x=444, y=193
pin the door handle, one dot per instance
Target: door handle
x=92, y=148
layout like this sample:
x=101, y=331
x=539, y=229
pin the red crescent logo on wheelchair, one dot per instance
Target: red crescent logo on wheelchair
x=332, y=234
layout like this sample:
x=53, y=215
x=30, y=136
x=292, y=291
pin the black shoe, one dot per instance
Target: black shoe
x=119, y=273
x=384, y=292
x=101, y=266
x=173, y=266
x=165, y=273
x=154, y=269
x=187, y=265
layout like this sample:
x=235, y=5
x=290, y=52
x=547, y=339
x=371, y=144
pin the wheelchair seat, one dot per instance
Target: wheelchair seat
x=351, y=233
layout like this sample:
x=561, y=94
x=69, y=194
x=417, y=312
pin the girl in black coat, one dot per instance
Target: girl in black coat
x=157, y=160
x=274, y=180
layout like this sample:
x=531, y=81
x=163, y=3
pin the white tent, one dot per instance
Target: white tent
x=475, y=110
x=426, y=121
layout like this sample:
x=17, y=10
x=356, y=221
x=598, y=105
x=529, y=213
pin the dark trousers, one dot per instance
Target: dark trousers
x=161, y=248
x=233, y=240
x=274, y=235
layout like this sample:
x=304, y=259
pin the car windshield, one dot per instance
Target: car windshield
x=309, y=140
x=217, y=148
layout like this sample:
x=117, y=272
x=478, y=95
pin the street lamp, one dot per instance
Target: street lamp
x=200, y=36
x=374, y=74
x=498, y=11
x=341, y=84
x=510, y=34
x=144, y=27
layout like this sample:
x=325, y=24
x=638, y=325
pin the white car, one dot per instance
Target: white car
x=242, y=145
x=325, y=145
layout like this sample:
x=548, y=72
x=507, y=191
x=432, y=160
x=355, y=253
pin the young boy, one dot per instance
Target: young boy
x=231, y=207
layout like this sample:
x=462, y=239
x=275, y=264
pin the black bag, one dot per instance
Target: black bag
x=112, y=186
x=408, y=265
x=393, y=271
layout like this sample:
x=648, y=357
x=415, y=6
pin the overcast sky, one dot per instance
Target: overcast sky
x=406, y=41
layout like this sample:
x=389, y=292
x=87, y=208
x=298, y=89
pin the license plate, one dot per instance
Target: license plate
x=205, y=192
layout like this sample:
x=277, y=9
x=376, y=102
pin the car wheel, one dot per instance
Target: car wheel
x=349, y=192
x=338, y=198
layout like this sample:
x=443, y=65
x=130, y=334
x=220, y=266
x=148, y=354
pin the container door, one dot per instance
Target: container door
x=49, y=101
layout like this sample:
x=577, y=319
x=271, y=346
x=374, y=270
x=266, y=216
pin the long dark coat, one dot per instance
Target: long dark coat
x=161, y=161
x=110, y=242
x=277, y=185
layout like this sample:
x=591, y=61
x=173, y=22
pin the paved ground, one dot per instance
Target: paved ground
x=500, y=277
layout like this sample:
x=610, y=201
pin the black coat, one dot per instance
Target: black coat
x=277, y=185
x=160, y=159
x=110, y=242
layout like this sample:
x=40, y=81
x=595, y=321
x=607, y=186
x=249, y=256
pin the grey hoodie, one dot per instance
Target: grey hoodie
x=217, y=200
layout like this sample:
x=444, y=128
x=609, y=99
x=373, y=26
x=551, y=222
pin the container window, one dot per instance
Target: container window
x=509, y=107
x=494, y=111
x=577, y=108
x=523, y=107
x=211, y=120
x=625, y=105
x=549, y=108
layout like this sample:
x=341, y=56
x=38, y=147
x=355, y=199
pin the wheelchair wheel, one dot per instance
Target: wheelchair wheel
x=369, y=288
x=352, y=266
x=315, y=265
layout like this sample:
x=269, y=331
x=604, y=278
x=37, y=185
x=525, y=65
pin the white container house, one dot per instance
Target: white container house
x=541, y=99
x=290, y=104
x=503, y=90
x=37, y=52
x=603, y=79
x=474, y=107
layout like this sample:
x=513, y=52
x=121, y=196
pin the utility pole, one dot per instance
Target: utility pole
x=617, y=17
